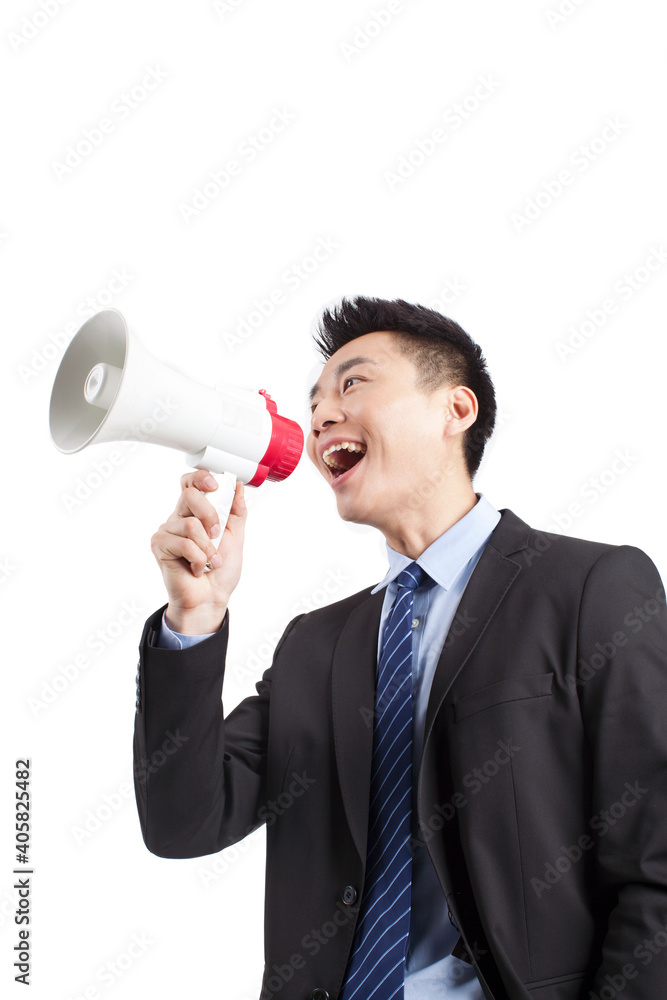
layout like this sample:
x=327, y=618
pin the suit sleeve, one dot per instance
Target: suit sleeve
x=622, y=686
x=199, y=778
x=166, y=638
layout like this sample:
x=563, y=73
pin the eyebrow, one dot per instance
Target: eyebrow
x=340, y=369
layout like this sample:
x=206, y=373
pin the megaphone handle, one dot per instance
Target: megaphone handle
x=222, y=499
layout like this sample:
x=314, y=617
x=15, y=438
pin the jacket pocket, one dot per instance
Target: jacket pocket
x=509, y=689
x=570, y=987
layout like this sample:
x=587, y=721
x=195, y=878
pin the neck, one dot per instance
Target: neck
x=419, y=528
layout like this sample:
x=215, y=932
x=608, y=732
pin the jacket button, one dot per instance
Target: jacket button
x=349, y=895
x=319, y=994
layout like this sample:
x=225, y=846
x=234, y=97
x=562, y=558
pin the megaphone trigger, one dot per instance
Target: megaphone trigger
x=222, y=499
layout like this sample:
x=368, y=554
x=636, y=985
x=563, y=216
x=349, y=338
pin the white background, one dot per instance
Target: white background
x=361, y=97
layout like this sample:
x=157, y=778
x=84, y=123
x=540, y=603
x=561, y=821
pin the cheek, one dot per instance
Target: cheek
x=407, y=455
x=311, y=448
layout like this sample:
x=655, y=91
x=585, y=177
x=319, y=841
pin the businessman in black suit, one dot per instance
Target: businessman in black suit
x=538, y=838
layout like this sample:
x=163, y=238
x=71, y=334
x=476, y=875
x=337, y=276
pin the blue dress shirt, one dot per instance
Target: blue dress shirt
x=432, y=973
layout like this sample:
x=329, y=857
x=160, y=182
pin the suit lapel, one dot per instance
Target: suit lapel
x=491, y=579
x=355, y=663
x=353, y=700
x=488, y=586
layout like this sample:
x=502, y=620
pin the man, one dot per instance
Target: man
x=462, y=770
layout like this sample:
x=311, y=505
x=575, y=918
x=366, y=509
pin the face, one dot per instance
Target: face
x=395, y=434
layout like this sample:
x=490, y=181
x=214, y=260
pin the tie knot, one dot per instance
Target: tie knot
x=412, y=577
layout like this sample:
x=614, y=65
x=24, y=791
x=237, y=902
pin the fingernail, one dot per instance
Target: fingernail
x=215, y=561
x=214, y=531
x=210, y=482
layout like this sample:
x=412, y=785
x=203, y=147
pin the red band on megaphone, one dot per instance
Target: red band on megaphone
x=284, y=450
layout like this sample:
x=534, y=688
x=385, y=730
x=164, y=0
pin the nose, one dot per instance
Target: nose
x=326, y=412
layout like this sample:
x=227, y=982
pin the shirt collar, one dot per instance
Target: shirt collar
x=444, y=559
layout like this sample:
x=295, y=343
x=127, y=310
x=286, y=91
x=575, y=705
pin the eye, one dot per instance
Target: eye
x=349, y=378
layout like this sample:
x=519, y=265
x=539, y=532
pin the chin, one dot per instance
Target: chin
x=348, y=515
x=349, y=512
x=355, y=515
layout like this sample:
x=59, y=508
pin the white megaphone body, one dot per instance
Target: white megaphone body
x=108, y=385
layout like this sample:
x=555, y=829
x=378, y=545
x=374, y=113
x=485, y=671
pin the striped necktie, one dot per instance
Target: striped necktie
x=376, y=969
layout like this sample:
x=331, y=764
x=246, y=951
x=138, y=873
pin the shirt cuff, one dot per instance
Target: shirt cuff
x=167, y=639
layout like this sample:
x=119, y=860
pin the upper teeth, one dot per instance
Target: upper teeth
x=348, y=445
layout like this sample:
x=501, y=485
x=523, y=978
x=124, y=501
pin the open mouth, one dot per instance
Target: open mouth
x=341, y=458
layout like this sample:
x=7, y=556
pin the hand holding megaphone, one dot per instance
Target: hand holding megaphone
x=110, y=388
x=184, y=545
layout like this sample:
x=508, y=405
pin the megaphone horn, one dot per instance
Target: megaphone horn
x=108, y=386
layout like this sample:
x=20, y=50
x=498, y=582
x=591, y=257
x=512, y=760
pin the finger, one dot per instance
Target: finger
x=192, y=528
x=193, y=503
x=200, y=478
x=168, y=547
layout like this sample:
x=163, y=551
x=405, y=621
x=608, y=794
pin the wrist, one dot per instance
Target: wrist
x=194, y=621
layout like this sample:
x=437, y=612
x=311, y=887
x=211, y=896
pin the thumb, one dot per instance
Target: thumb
x=238, y=509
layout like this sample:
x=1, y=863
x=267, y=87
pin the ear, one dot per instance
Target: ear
x=461, y=410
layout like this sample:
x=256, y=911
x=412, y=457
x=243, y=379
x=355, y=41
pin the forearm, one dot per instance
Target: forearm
x=193, y=795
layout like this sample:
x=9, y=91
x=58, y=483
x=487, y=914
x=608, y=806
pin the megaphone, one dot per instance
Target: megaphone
x=108, y=387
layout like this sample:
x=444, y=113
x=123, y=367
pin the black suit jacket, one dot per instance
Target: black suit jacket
x=542, y=790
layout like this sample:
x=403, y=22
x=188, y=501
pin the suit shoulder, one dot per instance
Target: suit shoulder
x=571, y=547
x=587, y=551
x=344, y=606
x=333, y=616
x=529, y=546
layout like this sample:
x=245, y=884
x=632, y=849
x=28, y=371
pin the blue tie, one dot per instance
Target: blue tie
x=377, y=965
